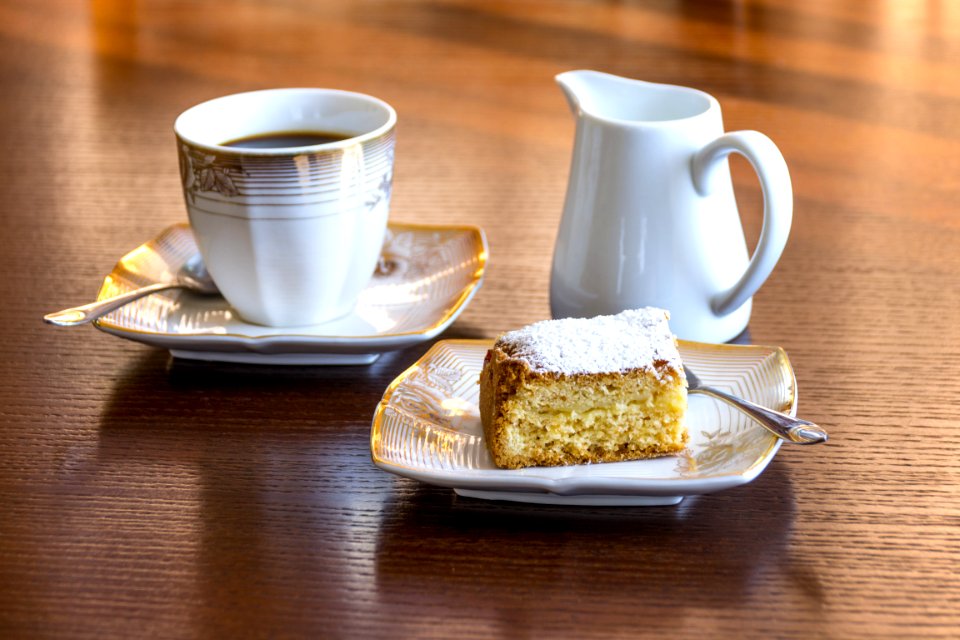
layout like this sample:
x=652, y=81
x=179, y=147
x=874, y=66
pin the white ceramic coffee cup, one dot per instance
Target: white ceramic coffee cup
x=291, y=235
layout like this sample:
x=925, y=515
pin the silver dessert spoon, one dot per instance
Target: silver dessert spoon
x=192, y=276
x=780, y=424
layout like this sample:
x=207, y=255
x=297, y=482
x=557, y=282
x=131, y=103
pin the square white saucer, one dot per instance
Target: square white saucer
x=427, y=427
x=428, y=274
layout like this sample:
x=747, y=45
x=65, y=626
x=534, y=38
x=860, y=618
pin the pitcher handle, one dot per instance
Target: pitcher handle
x=771, y=168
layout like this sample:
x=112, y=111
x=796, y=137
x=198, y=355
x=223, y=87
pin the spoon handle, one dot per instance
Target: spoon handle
x=780, y=424
x=90, y=312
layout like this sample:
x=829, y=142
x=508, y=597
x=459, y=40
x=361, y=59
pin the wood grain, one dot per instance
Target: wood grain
x=147, y=497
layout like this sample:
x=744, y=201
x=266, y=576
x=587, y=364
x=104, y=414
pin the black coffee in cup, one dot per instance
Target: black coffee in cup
x=283, y=139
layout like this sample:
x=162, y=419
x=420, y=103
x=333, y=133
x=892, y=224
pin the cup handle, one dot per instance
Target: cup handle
x=771, y=168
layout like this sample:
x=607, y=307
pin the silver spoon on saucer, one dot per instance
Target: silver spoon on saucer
x=780, y=424
x=192, y=276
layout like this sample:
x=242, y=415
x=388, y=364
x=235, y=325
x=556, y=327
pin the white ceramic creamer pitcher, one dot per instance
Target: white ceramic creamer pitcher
x=650, y=216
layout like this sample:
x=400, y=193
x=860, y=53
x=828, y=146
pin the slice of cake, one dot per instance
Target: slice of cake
x=573, y=391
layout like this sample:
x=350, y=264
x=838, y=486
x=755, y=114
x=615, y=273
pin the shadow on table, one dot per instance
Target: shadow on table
x=702, y=557
x=157, y=391
x=241, y=485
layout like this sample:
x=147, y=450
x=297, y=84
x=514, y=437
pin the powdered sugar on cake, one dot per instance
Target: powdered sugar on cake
x=633, y=339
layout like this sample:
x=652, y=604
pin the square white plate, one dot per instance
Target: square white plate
x=427, y=277
x=427, y=427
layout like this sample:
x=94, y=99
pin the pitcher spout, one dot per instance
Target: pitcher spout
x=607, y=97
x=574, y=87
x=585, y=89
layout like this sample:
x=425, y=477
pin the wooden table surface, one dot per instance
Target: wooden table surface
x=142, y=496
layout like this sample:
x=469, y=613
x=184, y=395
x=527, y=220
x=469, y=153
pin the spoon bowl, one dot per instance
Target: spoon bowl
x=192, y=276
